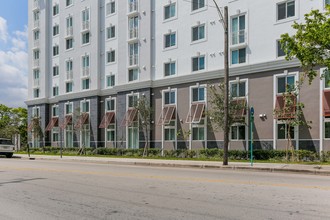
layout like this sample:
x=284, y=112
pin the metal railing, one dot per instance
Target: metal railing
x=36, y=63
x=133, y=60
x=85, y=25
x=133, y=33
x=133, y=6
x=36, y=43
x=238, y=37
x=69, y=31
x=36, y=5
x=36, y=82
x=69, y=75
x=36, y=24
x=85, y=72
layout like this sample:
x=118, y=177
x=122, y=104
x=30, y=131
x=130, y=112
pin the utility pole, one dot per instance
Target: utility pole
x=224, y=18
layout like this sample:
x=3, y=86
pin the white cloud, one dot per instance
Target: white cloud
x=3, y=29
x=13, y=67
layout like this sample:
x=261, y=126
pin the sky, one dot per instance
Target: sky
x=13, y=52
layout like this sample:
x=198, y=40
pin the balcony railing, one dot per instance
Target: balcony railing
x=69, y=75
x=36, y=24
x=133, y=6
x=238, y=37
x=69, y=31
x=36, y=5
x=85, y=25
x=133, y=60
x=85, y=72
x=36, y=43
x=36, y=63
x=133, y=33
x=36, y=83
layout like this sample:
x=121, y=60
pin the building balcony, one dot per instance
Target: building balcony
x=36, y=24
x=36, y=5
x=36, y=43
x=239, y=37
x=85, y=25
x=133, y=33
x=69, y=76
x=133, y=60
x=36, y=63
x=36, y=83
x=69, y=32
x=85, y=72
x=133, y=7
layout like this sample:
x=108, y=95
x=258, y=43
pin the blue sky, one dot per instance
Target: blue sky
x=13, y=52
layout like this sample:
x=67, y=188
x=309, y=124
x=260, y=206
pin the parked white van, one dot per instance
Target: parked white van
x=6, y=147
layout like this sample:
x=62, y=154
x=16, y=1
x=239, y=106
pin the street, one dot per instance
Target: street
x=76, y=190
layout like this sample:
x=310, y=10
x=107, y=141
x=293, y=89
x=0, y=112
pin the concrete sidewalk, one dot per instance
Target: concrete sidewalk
x=265, y=167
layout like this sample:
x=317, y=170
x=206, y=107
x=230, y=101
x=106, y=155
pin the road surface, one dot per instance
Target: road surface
x=75, y=190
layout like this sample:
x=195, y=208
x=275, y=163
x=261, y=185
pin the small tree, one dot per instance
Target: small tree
x=311, y=42
x=37, y=132
x=145, y=112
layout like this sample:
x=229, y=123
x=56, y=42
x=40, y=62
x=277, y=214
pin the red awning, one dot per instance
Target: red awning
x=167, y=115
x=67, y=120
x=240, y=111
x=30, y=126
x=285, y=112
x=107, y=119
x=51, y=124
x=129, y=117
x=326, y=103
x=81, y=120
x=195, y=113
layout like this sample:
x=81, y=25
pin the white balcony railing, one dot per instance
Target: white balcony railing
x=69, y=75
x=36, y=5
x=238, y=37
x=36, y=63
x=69, y=31
x=133, y=6
x=36, y=23
x=36, y=83
x=36, y=43
x=85, y=25
x=85, y=72
x=133, y=60
x=133, y=33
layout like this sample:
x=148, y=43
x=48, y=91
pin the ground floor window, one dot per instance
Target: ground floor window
x=327, y=129
x=133, y=136
x=35, y=141
x=169, y=131
x=283, y=130
x=68, y=137
x=111, y=133
x=198, y=131
x=85, y=136
x=55, y=136
x=238, y=132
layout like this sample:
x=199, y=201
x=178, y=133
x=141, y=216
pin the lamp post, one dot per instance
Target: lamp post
x=224, y=18
x=251, y=134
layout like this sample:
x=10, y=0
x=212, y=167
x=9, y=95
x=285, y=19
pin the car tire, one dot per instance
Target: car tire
x=10, y=155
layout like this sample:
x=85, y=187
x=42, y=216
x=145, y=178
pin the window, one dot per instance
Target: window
x=69, y=22
x=68, y=108
x=280, y=51
x=169, y=11
x=133, y=54
x=36, y=54
x=132, y=5
x=36, y=93
x=36, y=16
x=55, y=136
x=170, y=68
x=111, y=81
x=198, y=94
x=85, y=61
x=238, y=132
x=198, y=32
x=169, y=97
x=69, y=65
x=56, y=30
x=56, y=9
x=238, y=56
x=170, y=40
x=285, y=84
x=35, y=112
x=238, y=30
x=36, y=35
x=55, y=70
x=85, y=84
x=111, y=56
x=55, y=111
x=132, y=100
x=68, y=87
x=69, y=43
x=133, y=74
x=133, y=24
x=55, y=91
x=110, y=105
x=111, y=132
x=327, y=2
x=198, y=63
x=111, y=32
x=111, y=7
x=285, y=10
x=36, y=74
x=238, y=89
x=68, y=3
x=327, y=129
x=326, y=79
x=85, y=19
x=84, y=106
x=283, y=130
x=198, y=131
x=85, y=38
x=197, y=4
x=55, y=50
x=169, y=131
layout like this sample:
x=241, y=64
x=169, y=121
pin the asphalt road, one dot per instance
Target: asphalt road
x=74, y=190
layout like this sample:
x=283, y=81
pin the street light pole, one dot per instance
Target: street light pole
x=224, y=19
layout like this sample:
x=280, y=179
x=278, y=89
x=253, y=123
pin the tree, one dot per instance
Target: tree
x=144, y=109
x=311, y=42
x=216, y=111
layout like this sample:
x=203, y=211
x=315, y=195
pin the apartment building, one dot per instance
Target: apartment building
x=90, y=60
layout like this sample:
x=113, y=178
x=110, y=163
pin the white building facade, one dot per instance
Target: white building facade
x=91, y=59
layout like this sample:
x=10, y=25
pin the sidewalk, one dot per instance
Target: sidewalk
x=265, y=167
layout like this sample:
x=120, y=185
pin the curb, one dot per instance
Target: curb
x=199, y=166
